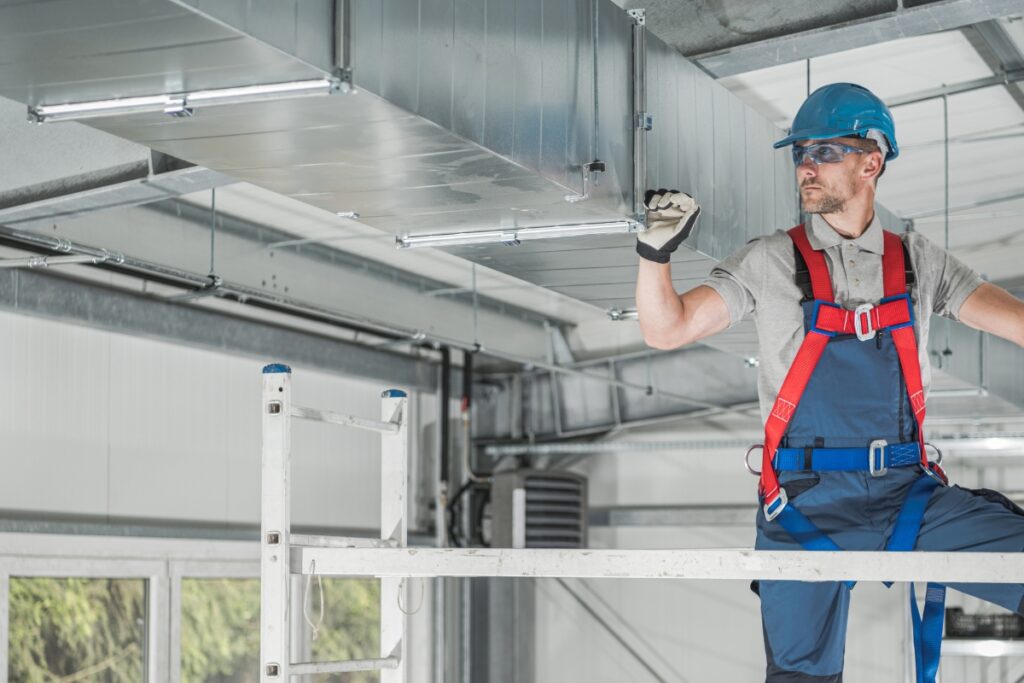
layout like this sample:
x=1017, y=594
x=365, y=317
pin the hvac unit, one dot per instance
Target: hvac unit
x=538, y=509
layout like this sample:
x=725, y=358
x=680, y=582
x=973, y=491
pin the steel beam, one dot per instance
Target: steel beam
x=1000, y=78
x=1000, y=52
x=108, y=308
x=904, y=22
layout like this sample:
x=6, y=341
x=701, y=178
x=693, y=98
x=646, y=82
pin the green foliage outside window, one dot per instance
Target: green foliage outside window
x=76, y=630
x=71, y=630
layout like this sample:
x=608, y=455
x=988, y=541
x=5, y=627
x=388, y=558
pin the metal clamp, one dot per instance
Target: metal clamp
x=862, y=313
x=746, y=459
x=876, y=458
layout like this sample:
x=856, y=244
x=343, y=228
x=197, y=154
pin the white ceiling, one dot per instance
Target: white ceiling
x=985, y=237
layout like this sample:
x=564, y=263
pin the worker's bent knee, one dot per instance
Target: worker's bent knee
x=777, y=675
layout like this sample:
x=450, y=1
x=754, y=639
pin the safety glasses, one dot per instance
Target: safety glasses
x=823, y=152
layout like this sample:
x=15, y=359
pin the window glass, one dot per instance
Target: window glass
x=351, y=625
x=75, y=629
x=220, y=630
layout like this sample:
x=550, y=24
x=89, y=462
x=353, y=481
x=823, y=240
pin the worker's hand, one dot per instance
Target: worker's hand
x=671, y=216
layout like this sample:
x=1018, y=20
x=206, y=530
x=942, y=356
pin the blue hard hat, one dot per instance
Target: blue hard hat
x=842, y=110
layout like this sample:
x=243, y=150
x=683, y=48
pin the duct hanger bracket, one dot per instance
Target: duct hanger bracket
x=595, y=166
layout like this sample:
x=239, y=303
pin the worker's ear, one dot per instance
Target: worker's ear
x=872, y=167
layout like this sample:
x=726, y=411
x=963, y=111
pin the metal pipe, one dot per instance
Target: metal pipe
x=1004, y=78
x=945, y=148
x=506, y=450
x=47, y=261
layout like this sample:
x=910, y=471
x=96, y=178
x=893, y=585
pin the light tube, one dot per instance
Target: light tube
x=85, y=110
x=252, y=93
x=181, y=103
x=514, y=236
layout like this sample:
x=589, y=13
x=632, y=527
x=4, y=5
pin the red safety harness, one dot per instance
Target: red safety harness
x=893, y=313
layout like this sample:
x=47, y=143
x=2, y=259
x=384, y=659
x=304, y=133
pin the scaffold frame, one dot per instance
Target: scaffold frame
x=389, y=559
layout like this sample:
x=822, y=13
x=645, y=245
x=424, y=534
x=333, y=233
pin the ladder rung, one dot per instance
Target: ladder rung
x=311, y=541
x=344, y=420
x=307, y=668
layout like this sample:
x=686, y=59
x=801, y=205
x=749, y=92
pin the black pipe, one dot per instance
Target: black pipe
x=446, y=397
x=467, y=379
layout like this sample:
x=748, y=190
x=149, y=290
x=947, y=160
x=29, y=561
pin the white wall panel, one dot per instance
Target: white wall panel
x=53, y=417
x=96, y=423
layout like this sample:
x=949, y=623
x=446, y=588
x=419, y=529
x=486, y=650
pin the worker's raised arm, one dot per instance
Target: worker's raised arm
x=994, y=310
x=667, y=319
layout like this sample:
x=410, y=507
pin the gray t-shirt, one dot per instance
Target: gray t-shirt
x=757, y=282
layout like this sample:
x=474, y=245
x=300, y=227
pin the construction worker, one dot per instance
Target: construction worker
x=842, y=310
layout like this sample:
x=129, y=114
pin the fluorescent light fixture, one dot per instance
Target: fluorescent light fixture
x=181, y=104
x=86, y=110
x=513, y=236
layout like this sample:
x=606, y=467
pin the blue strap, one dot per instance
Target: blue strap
x=846, y=459
x=908, y=523
x=928, y=631
x=927, y=628
x=804, y=532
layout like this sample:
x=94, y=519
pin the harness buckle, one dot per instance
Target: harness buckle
x=876, y=458
x=861, y=314
x=773, y=509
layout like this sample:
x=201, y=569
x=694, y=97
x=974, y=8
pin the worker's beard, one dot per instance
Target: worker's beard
x=828, y=199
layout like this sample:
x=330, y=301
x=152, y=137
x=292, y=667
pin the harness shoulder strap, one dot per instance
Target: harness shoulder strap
x=814, y=261
x=908, y=267
x=894, y=269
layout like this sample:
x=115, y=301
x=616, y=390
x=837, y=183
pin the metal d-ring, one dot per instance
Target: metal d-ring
x=937, y=461
x=746, y=459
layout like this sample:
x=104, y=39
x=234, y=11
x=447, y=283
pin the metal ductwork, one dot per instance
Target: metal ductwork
x=464, y=116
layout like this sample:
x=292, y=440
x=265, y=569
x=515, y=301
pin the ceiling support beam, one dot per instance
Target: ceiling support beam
x=1007, y=78
x=900, y=23
x=116, y=310
x=1000, y=52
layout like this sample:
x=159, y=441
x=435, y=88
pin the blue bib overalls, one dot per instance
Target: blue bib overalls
x=855, y=399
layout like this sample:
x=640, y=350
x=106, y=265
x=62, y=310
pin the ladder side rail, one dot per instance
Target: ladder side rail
x=394, y=529
x=275, y=523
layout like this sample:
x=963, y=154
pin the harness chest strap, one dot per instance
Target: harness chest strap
x=894, y=315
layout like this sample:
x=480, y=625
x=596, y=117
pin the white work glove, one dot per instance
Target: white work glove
x=671, y=216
